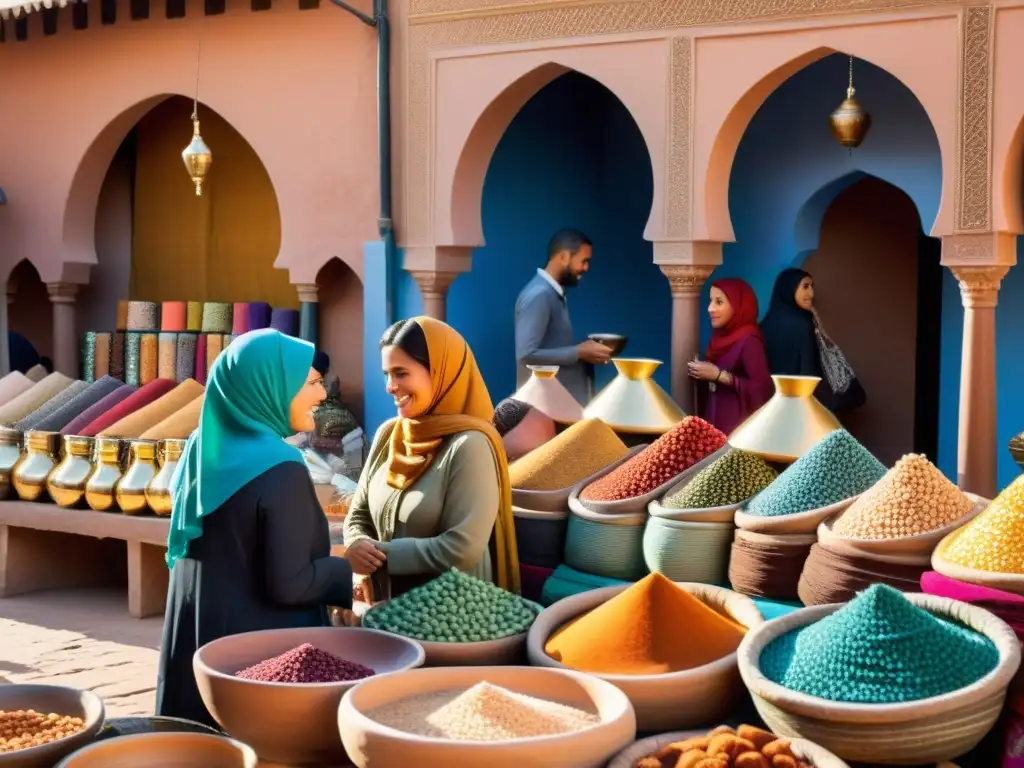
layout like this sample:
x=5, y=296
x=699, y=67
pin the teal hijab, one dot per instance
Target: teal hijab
x=242, y=427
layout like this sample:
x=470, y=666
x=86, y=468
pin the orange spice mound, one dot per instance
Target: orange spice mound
x=650, y=628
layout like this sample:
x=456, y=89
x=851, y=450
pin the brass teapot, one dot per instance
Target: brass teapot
x=130, y=491
x=158, y=492
x=66, y=484
x=99, y=488
x=40, y=457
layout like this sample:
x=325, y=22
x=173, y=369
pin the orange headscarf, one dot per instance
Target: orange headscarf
x=460, y=403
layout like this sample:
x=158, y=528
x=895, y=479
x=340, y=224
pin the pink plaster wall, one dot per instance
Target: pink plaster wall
x=1007, y=122
x=298, y=85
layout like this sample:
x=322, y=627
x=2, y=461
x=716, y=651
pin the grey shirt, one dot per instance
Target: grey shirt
x=544, y=336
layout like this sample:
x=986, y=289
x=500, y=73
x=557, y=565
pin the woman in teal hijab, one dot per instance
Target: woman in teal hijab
x=249, y=546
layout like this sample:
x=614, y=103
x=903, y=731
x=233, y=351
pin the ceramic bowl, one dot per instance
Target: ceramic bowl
x=799, y=522
x=60, y=700
x=164, y=750
x=909, y=733
x=370, y=744
x=662, y=702
x=291, y=723
x=806, y=750
x=614, y=341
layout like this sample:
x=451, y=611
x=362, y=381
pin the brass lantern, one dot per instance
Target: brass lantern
x=849, y=122
x=197, y=156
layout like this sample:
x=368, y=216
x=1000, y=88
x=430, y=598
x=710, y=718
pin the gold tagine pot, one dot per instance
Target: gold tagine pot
x=66, y=484
x=40, y=457
x=158, y=492
x=789, y=424
x=547, y=394
x=1016, y=450
x=131, y=488
x=633, y=402
x=10, y=452
x=99, y=488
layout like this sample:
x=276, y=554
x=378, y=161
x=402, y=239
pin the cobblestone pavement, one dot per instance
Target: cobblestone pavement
x=85, y=639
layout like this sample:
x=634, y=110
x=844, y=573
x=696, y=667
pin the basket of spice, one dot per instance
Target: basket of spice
x=627, y=488
x=769, y=566
x=688, y=551
x=821, y=483
x=670, y=647
x=459, y=620
x=907, y=512
x=540, y=536
x=278, y=690
x=164, y=750
x=725, y=747
x=891, y=678
x=543, y=479
x=40, y=724
x=499, y=717
x=715, y=493
x=606, y=545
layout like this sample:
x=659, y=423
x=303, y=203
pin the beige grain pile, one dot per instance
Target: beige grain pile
x=583, y=449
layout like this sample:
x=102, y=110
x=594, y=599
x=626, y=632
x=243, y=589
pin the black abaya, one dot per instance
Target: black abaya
x=263, y=562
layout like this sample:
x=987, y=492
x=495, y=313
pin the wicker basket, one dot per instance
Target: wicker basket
x=606, y=545
x=540, y=536
x=557, y=501
x=627, y=758
x=688, y=551
x=910, y=733
x=799, y=522
x=684, y=699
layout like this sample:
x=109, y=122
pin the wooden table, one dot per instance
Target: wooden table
x=43, y=546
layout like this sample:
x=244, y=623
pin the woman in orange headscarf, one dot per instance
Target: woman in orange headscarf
x=434, y=493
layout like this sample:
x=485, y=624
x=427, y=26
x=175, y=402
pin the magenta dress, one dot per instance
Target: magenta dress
x=728, y=406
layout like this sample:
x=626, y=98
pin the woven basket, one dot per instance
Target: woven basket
x=606, y=545
x=910, y=733
x=1008, y=582
x=540, y=536
x=635, y=504
x=839, y=546
x=684, y=699
x=800, y=522
x=686, y=551
x=627, y=758
x=557, y=501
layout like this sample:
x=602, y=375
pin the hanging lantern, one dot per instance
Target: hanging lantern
x=197, y=156
x=849, y=122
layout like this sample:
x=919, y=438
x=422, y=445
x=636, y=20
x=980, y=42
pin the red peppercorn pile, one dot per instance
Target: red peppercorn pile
x=305, y=664
x=688, y=442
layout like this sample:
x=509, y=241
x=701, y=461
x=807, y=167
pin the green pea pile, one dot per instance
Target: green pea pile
x=730, y=479
x=835, y=469
x=454, y=608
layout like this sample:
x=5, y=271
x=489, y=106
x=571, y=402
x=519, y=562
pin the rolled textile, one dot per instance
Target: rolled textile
x=214, y=346
x=21, y=406
x=167, y=356
x=98, y=409
x=134, y=424
x=1006, y=605
x=226, y=339
x=31, y=420
x=122, y=316
x=36, y=373
x=259, y=315
x=137, y=400
x=286, y=321
x=14, y=384
x=835, y=577
x=117, y=355
x=185, y=358
x=239, y=318
x=194, y=316
x=216, y=317
x=132, y=352
x=89, y=356
x=101, y=364
x=179, y=425
x=200, y=371
x=173, y=315
x=142, y=316
x=148, y=358
x=74, y=407
x=767, y=570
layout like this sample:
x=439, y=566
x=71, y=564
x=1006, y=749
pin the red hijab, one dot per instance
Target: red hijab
x=744, y=317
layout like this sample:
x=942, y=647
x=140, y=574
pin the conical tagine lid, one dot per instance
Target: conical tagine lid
x=633, y=402
x=545, y=393
x=789, y=424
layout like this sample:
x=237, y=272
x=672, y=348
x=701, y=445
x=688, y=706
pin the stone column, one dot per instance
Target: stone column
x=977, y=435
x=686, y=282
x=435, y=268
x=309, y=313
x=65, y=335
x=434, y=290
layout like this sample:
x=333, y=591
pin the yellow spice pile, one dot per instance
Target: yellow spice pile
x=582, y=450
x=994, y=540
x=913, y=498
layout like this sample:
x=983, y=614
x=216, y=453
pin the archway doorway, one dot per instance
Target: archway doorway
x=572, y=157
x=29, y=311
x=340, y=293
x=880, y=279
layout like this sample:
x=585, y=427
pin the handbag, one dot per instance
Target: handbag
x=838, y=372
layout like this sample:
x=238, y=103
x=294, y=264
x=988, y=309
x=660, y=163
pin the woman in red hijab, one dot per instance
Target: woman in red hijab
x=735, y=373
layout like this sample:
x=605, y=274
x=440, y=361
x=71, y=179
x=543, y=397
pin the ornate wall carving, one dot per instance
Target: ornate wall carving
x=974, y=158
x=679, y=209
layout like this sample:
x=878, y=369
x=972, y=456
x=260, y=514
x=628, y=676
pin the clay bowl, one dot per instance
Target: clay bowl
x=291, y=723
x=674, y=700
x=371, y=744
x=51, y=698
x=614, y=341
x=806, y=750
x=164, y=750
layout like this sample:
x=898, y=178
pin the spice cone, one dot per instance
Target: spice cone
x=582, y=450
x=994, y=540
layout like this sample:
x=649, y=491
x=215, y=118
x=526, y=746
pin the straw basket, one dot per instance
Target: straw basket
x=683, y=699
x=558, y=500
x=806, y=750
x=540, y=536
x=910, y=733
x=606, y=545
x=688, y=551
x=800, y=522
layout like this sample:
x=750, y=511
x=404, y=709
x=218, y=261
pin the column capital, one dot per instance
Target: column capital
x=433, y=284
x=689, y=252
x=62, y=293
x=686, y=279
x=979, y=249
x=979, y=286
x=307, y=293
x=438, y=258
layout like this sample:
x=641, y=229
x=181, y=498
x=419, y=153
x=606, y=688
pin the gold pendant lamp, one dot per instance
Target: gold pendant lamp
x=197, y=155
x=850, y=122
